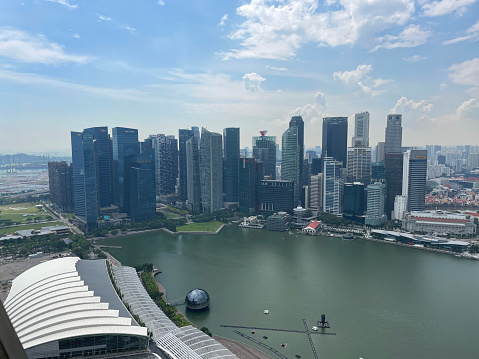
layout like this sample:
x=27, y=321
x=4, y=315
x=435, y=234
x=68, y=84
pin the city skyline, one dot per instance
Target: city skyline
x=251, y=64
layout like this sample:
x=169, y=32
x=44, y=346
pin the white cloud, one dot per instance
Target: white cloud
x=34, y=79
x=403, y=105
x=104, y=18
x=277, y=68
x=414, y=58
x=349, y=77
x=443, y=7
x=469, y=109
x=27, y=48
x=161, y=3
x=360, y=78
x=252, y=81
x=76, y=36
x=275, y=29
x=223, y=20
x=442, y=86
x=472, y=34
x=465, y=73
x=311, y=112
x=65, y=3
x=130, y=29
x=411, y=36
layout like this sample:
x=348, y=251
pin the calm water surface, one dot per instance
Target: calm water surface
x=383, y=301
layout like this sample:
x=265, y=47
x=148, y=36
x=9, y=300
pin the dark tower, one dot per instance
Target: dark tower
x=335, y=138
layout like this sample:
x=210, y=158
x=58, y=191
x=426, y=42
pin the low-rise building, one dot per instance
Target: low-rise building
x=439, y=222
x=312, y=228
x=278, y=222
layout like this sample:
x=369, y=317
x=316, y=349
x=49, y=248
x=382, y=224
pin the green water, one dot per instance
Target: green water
x=383, y=301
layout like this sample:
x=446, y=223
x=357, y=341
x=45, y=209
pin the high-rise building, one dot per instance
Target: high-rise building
x=297, y=121
x=183, y=136
x=249, y=184
x=193, y=175
x=211, y=171
x=394, y=170
x=359, y=164
x=473, y=160
x=316, y=191
x=375, y=204
x=166, y=163
x=84, y=177
x=103, y=157
x=126, y=150
x=361, y=130
x=380, y=152
x=264, y=149
x=393, y=139
x=142, y=189
x=353, y=199
x=414, y=179
x=378, y=172
x=332, y=186
x=335, y=138
x=400, y=207
x=316, y=166
x=276, y=196
x=60, y=182
x=231, y=147
x=291, y=163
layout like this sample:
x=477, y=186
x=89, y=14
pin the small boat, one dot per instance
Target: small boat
x=315, y=328
x=284, y=344
x=253, y=332
x=265, y=337
x=266, y=311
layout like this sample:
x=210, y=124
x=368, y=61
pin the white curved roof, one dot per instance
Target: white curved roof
x=51, y=301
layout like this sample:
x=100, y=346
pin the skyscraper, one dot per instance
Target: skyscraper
x=414, y=179
x=335, y=138
x=142, y=189
x=60, y=182
x=276, y=196
x=353, y=199
x=332, y=186
x=394, y=172
x=166, y=163
x=103, y=164
x=297, y=121
x=375, y=204
x=183, y=136
x=393, y=139
x=291, y=164
x=249, y=184
x=380, y=152
x=359, y=164
x=126, y=149
x=193, y=175
x=264, y=149
x=85, y=184
x=211, y=171
x=361, y=130
x=231, y=143
x=316, y=191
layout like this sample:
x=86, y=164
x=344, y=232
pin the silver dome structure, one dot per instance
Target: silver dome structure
x=197, y=299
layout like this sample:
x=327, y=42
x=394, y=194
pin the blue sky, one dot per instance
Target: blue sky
x=162, y=65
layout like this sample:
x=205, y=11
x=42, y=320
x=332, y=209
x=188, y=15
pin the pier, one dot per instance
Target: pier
x=260, y=344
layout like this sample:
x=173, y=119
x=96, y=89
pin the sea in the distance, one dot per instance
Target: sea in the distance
x=382, y=301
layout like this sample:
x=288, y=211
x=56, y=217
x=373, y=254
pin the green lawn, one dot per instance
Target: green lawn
x=23, y=212
x=171, y=215
x=200, y=227
x=28, y=226
x=20, y=208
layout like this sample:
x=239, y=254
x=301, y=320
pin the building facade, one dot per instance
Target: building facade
x=193, y=175
x=264, y=149
x=250, y=174
x=316, y=192
x=60, y=180
x=231, y=147
x=211, y=171
x=166, y=163
x=361, y=130
x=414, y=179
x=335, y=138
x=183, y=136
x=375, y=204
x=142, y=190
x=333, y=186
x=276, y=196
x=439, y=222
x=359, y=164
x=353, y=199
x=393, y=139
x=290, y=163
x=394, y=175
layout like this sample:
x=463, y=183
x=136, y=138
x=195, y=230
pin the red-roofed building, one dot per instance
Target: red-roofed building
x=312, y=228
